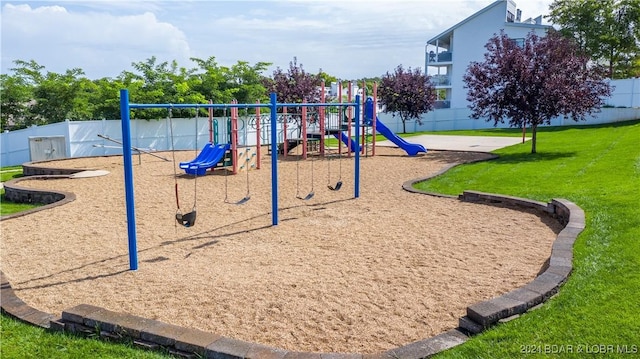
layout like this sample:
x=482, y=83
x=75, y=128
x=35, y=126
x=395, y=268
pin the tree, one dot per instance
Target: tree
x=158, y=83
x=607, y=30
x=294, y=86
x=55, y=96
x=531, y=84
x=409, y=93
x=328, y=79
x=249, y=81
x=15, y=102
x=221, y=84
x=105, y=99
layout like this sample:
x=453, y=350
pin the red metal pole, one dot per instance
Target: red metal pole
x=339, y=114
x=234, y=138
x=303, y=123
x=363, y=99
x=375, y=118
x=285, y=145
x=258, y=144
x=349, y=112
x=322, y=119
x=210, y=122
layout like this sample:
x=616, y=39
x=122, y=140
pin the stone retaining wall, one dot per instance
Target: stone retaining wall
x=34, y=169
x=483, y=315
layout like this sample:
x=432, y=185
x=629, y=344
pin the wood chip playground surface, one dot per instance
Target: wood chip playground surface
x=337, y=274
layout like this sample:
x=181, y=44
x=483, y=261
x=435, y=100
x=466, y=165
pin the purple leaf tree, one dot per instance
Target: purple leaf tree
x=408, y=93
x=532, y=83
x=294, y=86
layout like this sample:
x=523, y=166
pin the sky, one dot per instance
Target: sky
x=348, y=39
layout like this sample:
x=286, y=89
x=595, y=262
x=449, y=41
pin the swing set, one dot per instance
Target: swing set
x=188, y=219
x=203, y=161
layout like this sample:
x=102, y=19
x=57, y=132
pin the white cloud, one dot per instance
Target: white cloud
x=347, y=38
x=96, y=42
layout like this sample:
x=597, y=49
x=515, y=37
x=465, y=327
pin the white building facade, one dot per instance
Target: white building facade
x=448, y=54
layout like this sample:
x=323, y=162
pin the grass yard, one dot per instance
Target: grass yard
x=597, y=310
x=24, y=341
x=8, y=173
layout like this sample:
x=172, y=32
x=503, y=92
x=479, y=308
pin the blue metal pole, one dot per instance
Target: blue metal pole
x=128, y=178
x=357, y=161
x=274, y=158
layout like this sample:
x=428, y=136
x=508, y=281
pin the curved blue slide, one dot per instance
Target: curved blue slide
x=347, y=141
x=209, y=157
x=412, y=149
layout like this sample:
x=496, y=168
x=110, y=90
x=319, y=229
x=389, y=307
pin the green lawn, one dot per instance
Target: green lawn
x=597, y=310
x=7, y=173
x=21, y=341
x=598, y=168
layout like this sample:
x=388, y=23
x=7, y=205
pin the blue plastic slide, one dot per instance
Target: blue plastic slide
x=209, y=157
x=412, y=149
x=347, y=141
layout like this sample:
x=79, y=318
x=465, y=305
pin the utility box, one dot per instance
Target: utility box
x=43, y=148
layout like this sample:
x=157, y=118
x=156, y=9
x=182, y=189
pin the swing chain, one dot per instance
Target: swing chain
x=187, y=219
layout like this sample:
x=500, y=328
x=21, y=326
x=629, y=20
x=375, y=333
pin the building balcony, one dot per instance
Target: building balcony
x=442, y=104
x=441, y=80
x=439, y=57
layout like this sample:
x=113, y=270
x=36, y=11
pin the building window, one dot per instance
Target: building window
x=519, y=42
x=510, y=16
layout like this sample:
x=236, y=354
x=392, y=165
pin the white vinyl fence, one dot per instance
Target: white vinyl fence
x=82, y=136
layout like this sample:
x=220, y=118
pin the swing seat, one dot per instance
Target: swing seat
x=308, y=197
x=337, y=187
x=187, y=219
x=244, y=200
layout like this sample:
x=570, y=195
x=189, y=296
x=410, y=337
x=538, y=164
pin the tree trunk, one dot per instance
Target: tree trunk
x=404, y=125
x=534, y=132
x=611, y=55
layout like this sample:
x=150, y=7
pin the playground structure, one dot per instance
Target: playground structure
x=298, y=126
x=340, y=124
x=126, y=106
x=347, y=121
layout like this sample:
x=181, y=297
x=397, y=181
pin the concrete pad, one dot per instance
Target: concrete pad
x=459, y=143
x=85, y=174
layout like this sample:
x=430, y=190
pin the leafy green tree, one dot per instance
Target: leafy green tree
x=369, y=81
x=15, y=102
x=156, y=83
x=56, y=96
x=249, y=81
x=27, y=76
x=82, y=106
x=211, y=80
x=530, y=85
x=408, y=93
x=607, y=30
x=328, y=79
x=222, y=84
x=104, y=99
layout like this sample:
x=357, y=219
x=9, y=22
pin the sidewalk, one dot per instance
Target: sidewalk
x=459, y=143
